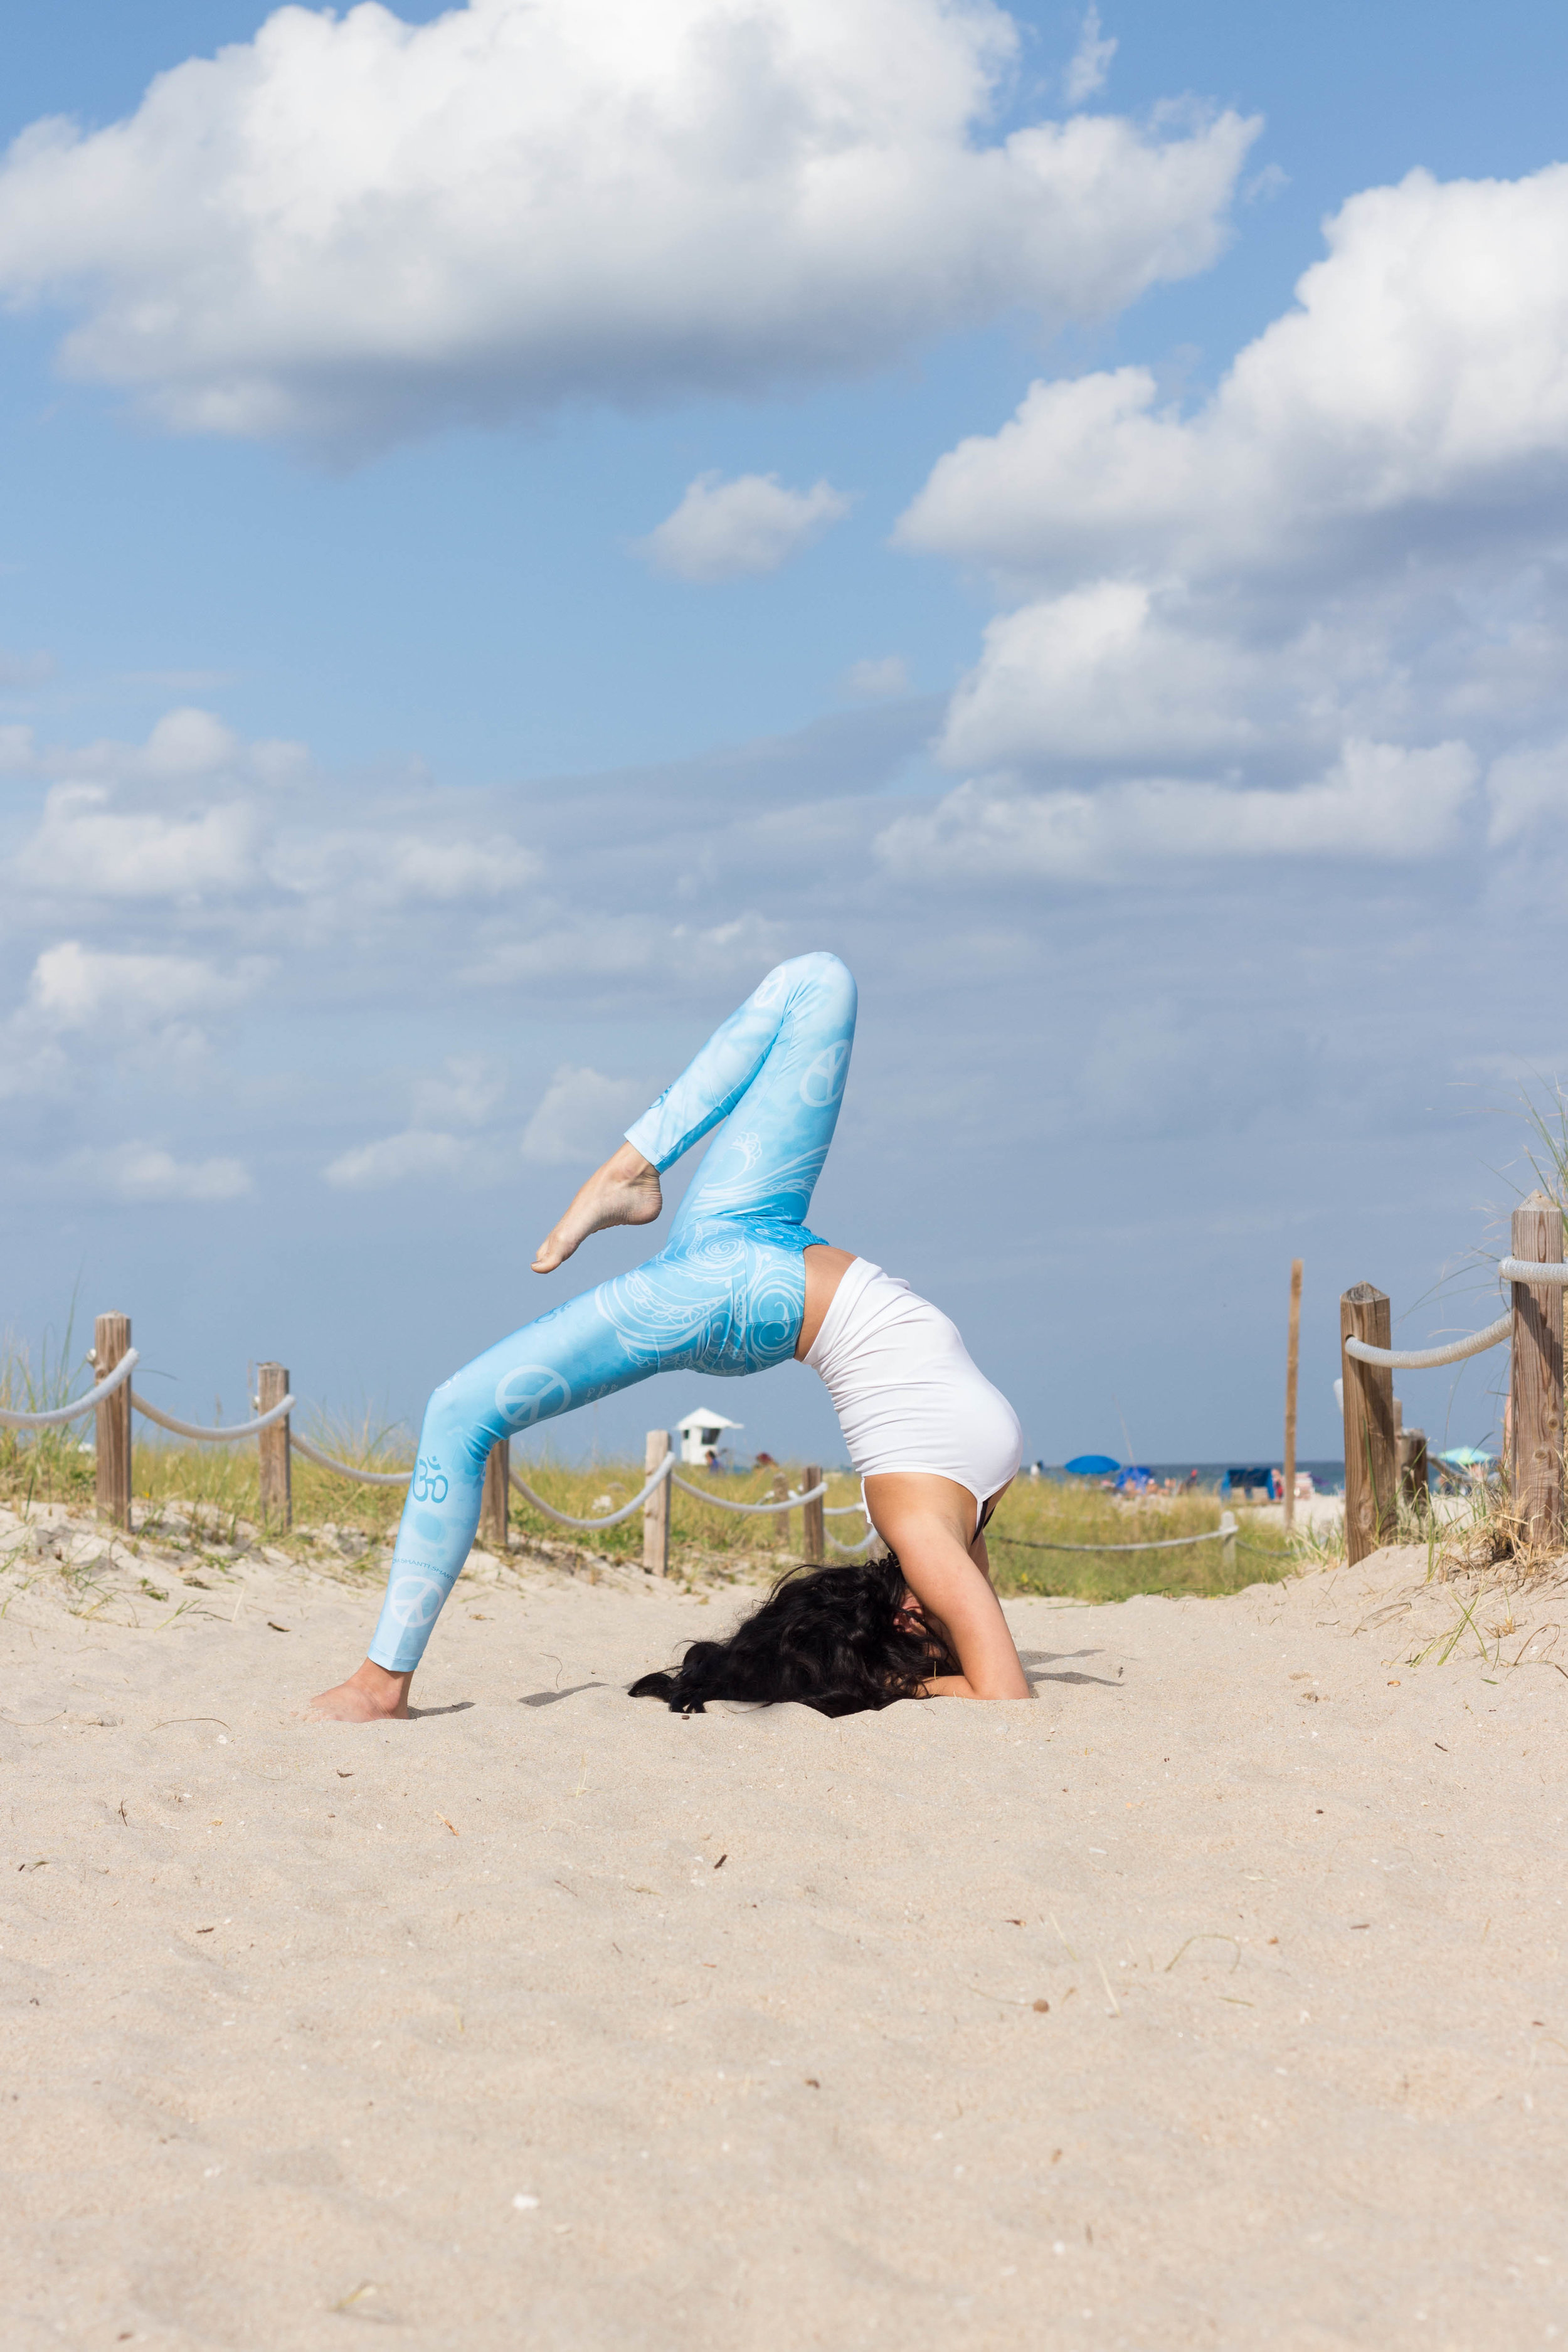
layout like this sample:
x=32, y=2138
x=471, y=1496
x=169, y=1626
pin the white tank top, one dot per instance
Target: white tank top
x=907, y=1392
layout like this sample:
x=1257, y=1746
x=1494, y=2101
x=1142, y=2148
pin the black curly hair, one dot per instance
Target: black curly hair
x=841, y=1640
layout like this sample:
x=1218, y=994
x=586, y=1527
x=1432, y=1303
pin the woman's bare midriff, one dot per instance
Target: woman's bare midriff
x=824, y=1269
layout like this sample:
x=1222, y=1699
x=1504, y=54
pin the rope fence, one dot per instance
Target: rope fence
x=1386, y=1463
x=349, y=1469
x=1224, y=1534
x=613, y=1518
x=781, y=1503
x=1421, y=1360
x=222, y=1435
x=113, y=1401
x=60, y=1415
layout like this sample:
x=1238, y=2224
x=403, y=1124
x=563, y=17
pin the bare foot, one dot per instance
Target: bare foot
x=624, y=1191
x=371, y=1695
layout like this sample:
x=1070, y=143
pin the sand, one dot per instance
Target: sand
x=1217, y=1998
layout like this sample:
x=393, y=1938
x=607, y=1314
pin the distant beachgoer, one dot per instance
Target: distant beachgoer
x=743, y=1284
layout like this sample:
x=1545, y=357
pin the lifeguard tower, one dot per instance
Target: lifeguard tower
x=701, y=1429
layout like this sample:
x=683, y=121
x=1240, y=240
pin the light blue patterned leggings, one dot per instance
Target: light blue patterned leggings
x=725, y=1296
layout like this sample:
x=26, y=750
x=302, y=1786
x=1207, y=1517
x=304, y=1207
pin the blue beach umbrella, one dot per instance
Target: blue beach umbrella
x=1091, y=1466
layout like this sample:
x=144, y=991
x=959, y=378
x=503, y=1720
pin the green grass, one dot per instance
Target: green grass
x=1043, y=1511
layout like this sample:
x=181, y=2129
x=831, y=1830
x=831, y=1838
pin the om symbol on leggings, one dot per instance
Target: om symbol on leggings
x=429, y=1481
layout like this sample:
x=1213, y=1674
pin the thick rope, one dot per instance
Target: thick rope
x=563, y=1519
x=61, y=1414
x=864, y=1545
x=1416, y=1360
x=1164, y=1543
x=783, y=1503
x=1523, y=1269
x=346, y=1469
x=212, y=1436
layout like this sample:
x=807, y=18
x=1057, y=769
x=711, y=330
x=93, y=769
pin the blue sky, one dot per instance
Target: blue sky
x=476, y=585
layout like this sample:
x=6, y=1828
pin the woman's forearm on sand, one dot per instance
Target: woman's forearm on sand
x=960, y=1686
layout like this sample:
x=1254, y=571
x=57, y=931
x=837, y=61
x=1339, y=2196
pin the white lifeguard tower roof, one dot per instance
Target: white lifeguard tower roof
x=699, y=1428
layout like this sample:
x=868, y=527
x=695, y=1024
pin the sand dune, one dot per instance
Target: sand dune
x=1215, y=1998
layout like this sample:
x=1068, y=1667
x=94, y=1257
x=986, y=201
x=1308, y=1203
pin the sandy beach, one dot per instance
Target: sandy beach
x=1215, y=1998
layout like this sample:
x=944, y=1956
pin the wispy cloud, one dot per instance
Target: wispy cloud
x=1091, y=61
x=146, y=1173
x=582, y=1117
x=419, y=1156
x=878, y=675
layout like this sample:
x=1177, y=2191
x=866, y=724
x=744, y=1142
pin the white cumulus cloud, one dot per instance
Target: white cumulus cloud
x=351, y=227
x=733, y=531
x=1424, y=368
x=1353, y=540
x=1103, y=673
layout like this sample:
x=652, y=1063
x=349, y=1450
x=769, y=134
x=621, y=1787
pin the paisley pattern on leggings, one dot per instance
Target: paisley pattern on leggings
x=725, y=1296
x=723, y=1303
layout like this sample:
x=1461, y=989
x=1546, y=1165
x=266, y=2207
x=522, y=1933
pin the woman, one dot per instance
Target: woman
x=741, y=1285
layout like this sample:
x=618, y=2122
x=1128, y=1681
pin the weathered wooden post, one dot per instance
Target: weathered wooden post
x=814, y=1533
x=1414, y=1482
x=1292, y=1366
x=655, y=1510
x=1536, y=1459
x=496, y=1506
x=1371, y=1470
x=1228, y=1542
x=277, y=1470
x=111, y=1339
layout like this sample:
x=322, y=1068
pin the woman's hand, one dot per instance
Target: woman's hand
x=930, y=1523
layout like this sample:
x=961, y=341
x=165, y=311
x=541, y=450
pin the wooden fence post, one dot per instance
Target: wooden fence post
x=1372, y=1472
x=814, y=1533
x=1415, y=1483
x=111, y=1339
x=1536, y=1460
x=276, y=1469
x=655, y=1510
x=494, y=1511
x=1228, y=1542
x=1292, y=1366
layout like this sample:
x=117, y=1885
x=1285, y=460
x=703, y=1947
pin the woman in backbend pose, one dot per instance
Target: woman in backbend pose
x=741, y=1285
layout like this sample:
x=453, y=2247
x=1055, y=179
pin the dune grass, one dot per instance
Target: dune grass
x=1041, y=1512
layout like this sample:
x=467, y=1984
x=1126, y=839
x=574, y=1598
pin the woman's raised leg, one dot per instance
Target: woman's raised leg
x=776, y=1070
x=779, y=1063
